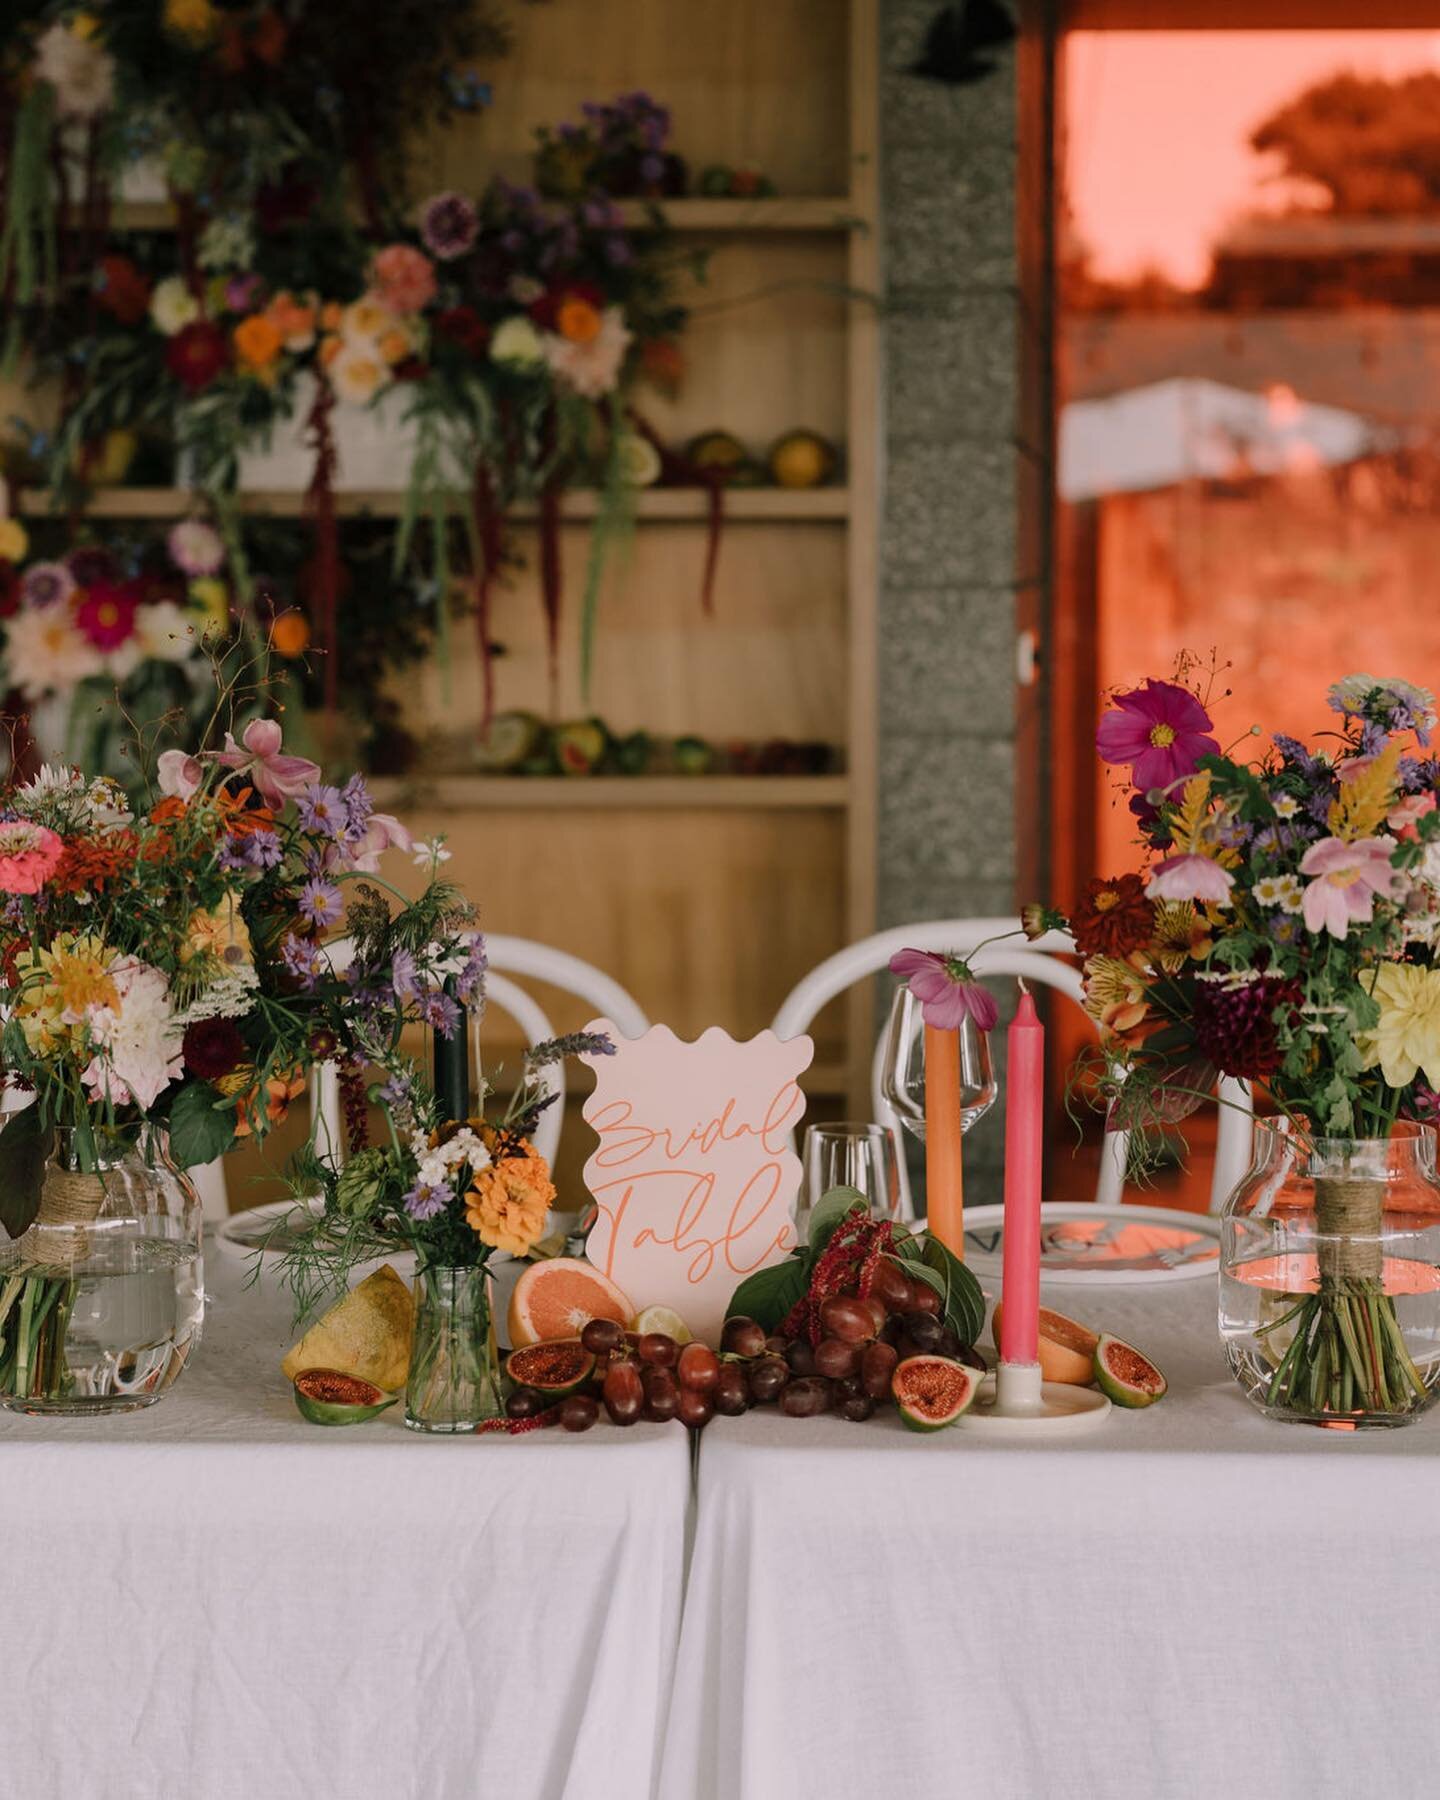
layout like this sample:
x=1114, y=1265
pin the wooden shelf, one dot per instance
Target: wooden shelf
x=655, y=505
x=617, y=793
x=777, y=213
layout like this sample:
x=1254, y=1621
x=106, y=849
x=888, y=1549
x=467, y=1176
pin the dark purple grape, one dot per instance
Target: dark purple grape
x=768, y=1374
x=662, y=1394
x=732, y=1391
x=848, y=1318
x=805, y=1398
x=923, y=1298
x=893, y=1329
x=925, y=1330
x=876, y=1367
x=801, y=1357
x=775, y=1345
x=695, y=1408
x=601, y=1336
x=834, y=1357
x=579, y=1412
x=624, y=1394
x=742, y=1337
x=890, y=1286
x=524, y=1403
x=698, y=1368
x=658, y=1349
x=949, y=1344
x=848, y=1387
x=856, y=1408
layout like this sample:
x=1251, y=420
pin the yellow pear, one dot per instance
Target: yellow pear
x=366, y=1334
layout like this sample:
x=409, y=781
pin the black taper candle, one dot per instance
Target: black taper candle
x=452, y=1064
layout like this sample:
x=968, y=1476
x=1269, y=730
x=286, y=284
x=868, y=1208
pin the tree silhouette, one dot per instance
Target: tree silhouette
x=1373, y=145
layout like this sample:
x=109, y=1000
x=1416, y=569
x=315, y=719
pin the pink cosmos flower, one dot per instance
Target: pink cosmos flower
x=1345, y=880
x=1190, y=877
x=946, y=989
x=1161, y=729
x=28, y=856
x=383, y=831
x=403, y=278
x=179, y=773
x=276, y=778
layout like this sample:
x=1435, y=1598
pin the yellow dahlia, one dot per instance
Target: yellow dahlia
x=1407, y=1038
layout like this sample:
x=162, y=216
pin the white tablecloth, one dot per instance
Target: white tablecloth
x=212, y=1599
x=1194, y=1602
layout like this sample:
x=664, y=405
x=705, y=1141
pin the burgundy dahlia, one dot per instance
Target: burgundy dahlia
x=213, y=1047
x=197, y=355
x=1238, y=1027
x=449, y=226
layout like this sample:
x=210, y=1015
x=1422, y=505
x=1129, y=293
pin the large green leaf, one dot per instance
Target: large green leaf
x=24, y=1145
x=202, y=1125
x=768, y=1294
x=964, y=1303
x=825, y=1219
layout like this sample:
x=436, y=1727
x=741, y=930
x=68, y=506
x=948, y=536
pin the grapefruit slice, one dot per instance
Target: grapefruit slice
x=1067, y=1348
x=559, y=1297
x=1129, y=1378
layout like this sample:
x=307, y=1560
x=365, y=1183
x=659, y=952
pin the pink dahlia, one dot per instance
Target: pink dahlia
x=1345, y=878
x=1190, y=877
x=403, y=279
x=29, y=855
x=106, y=616
x=1160, y=729
x=946, y=988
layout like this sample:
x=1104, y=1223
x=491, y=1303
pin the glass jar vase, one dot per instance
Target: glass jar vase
x=454, y=1379
x=1330, y=1276
x=101, y=1299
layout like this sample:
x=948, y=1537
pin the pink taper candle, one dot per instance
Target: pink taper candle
x=1024, y=1129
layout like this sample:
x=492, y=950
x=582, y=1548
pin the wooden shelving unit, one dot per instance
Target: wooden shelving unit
x=623, y=793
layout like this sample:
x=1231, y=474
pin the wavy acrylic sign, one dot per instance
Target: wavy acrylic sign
x=695, y=1176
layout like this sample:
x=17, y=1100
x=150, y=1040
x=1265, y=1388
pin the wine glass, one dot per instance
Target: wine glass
x=854, y=1155
x=902, y=1080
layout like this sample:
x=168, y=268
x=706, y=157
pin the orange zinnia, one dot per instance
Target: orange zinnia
x=258, y=342
x=578, y=320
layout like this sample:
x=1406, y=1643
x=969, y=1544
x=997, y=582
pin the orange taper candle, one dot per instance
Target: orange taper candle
x=944, y=1171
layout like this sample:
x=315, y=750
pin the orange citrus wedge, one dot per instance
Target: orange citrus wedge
x=1067, y=1348
x=558, y=1298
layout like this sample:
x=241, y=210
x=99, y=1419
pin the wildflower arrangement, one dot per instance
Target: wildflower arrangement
x=618, y=147
x=453, y=1191
x=169, y=966
x=1285, y=932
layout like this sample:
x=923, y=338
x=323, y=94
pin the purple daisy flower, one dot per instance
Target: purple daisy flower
x=424, y=1201
x=320, y=902
x=440, y=1013
x=322, y=808
x=302, y=959
x=449, y=226
x=358, y=806
x=402, y=975
x=46, y=584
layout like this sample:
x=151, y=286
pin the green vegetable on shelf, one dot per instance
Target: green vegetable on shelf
x=693, y=756
x=580, y=746
x=512, y=740
x=633, y=753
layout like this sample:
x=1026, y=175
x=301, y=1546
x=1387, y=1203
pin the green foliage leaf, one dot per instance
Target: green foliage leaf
x=202, y=1125
x=920, y=1270
x=963, y=1301
x=24, y=1145
x=768, y=1294
x=829, y=1210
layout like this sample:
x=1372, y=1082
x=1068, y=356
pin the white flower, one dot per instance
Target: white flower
x=429, y=853
x=1286, y=805
x=358, y=371
x=517, y=343
x=231, y=997
x=173, y=306
x=106, y=805
x=1284, y=891
x=45, y=654
x=1427, y=871
x=593, y=368
x=81, y=71
x=139, y=1046
x=226, y=243
x=165, y=631
x=53, y=782
x=195, y=547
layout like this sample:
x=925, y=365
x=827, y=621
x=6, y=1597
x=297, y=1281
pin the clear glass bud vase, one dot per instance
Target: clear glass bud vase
x=1330, y=1276
x=454, y=1380
x=101, y=1298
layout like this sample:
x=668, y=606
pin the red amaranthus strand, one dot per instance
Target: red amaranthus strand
x=489, y=534
x=320, y=504
x=354, y=1105
x=848, y=1262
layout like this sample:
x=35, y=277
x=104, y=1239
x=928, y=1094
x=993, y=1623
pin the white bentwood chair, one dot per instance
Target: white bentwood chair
x=1038, y=962
x=508, y=956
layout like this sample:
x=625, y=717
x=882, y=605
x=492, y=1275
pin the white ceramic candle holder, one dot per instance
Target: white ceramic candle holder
x=1017, y=1402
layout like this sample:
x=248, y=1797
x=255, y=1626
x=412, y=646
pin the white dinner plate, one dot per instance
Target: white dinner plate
x=1085, y=1244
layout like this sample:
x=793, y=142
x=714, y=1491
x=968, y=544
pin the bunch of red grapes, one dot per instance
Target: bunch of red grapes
x=848, y=1371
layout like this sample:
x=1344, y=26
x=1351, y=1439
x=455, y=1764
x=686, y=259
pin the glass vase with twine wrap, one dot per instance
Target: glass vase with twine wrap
x=1330, y=1276
x=101, y=1296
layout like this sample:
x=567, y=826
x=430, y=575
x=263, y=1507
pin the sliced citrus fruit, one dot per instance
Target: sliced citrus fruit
x=1067, y=1348
x=559, y=1297
x=664, y=1319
